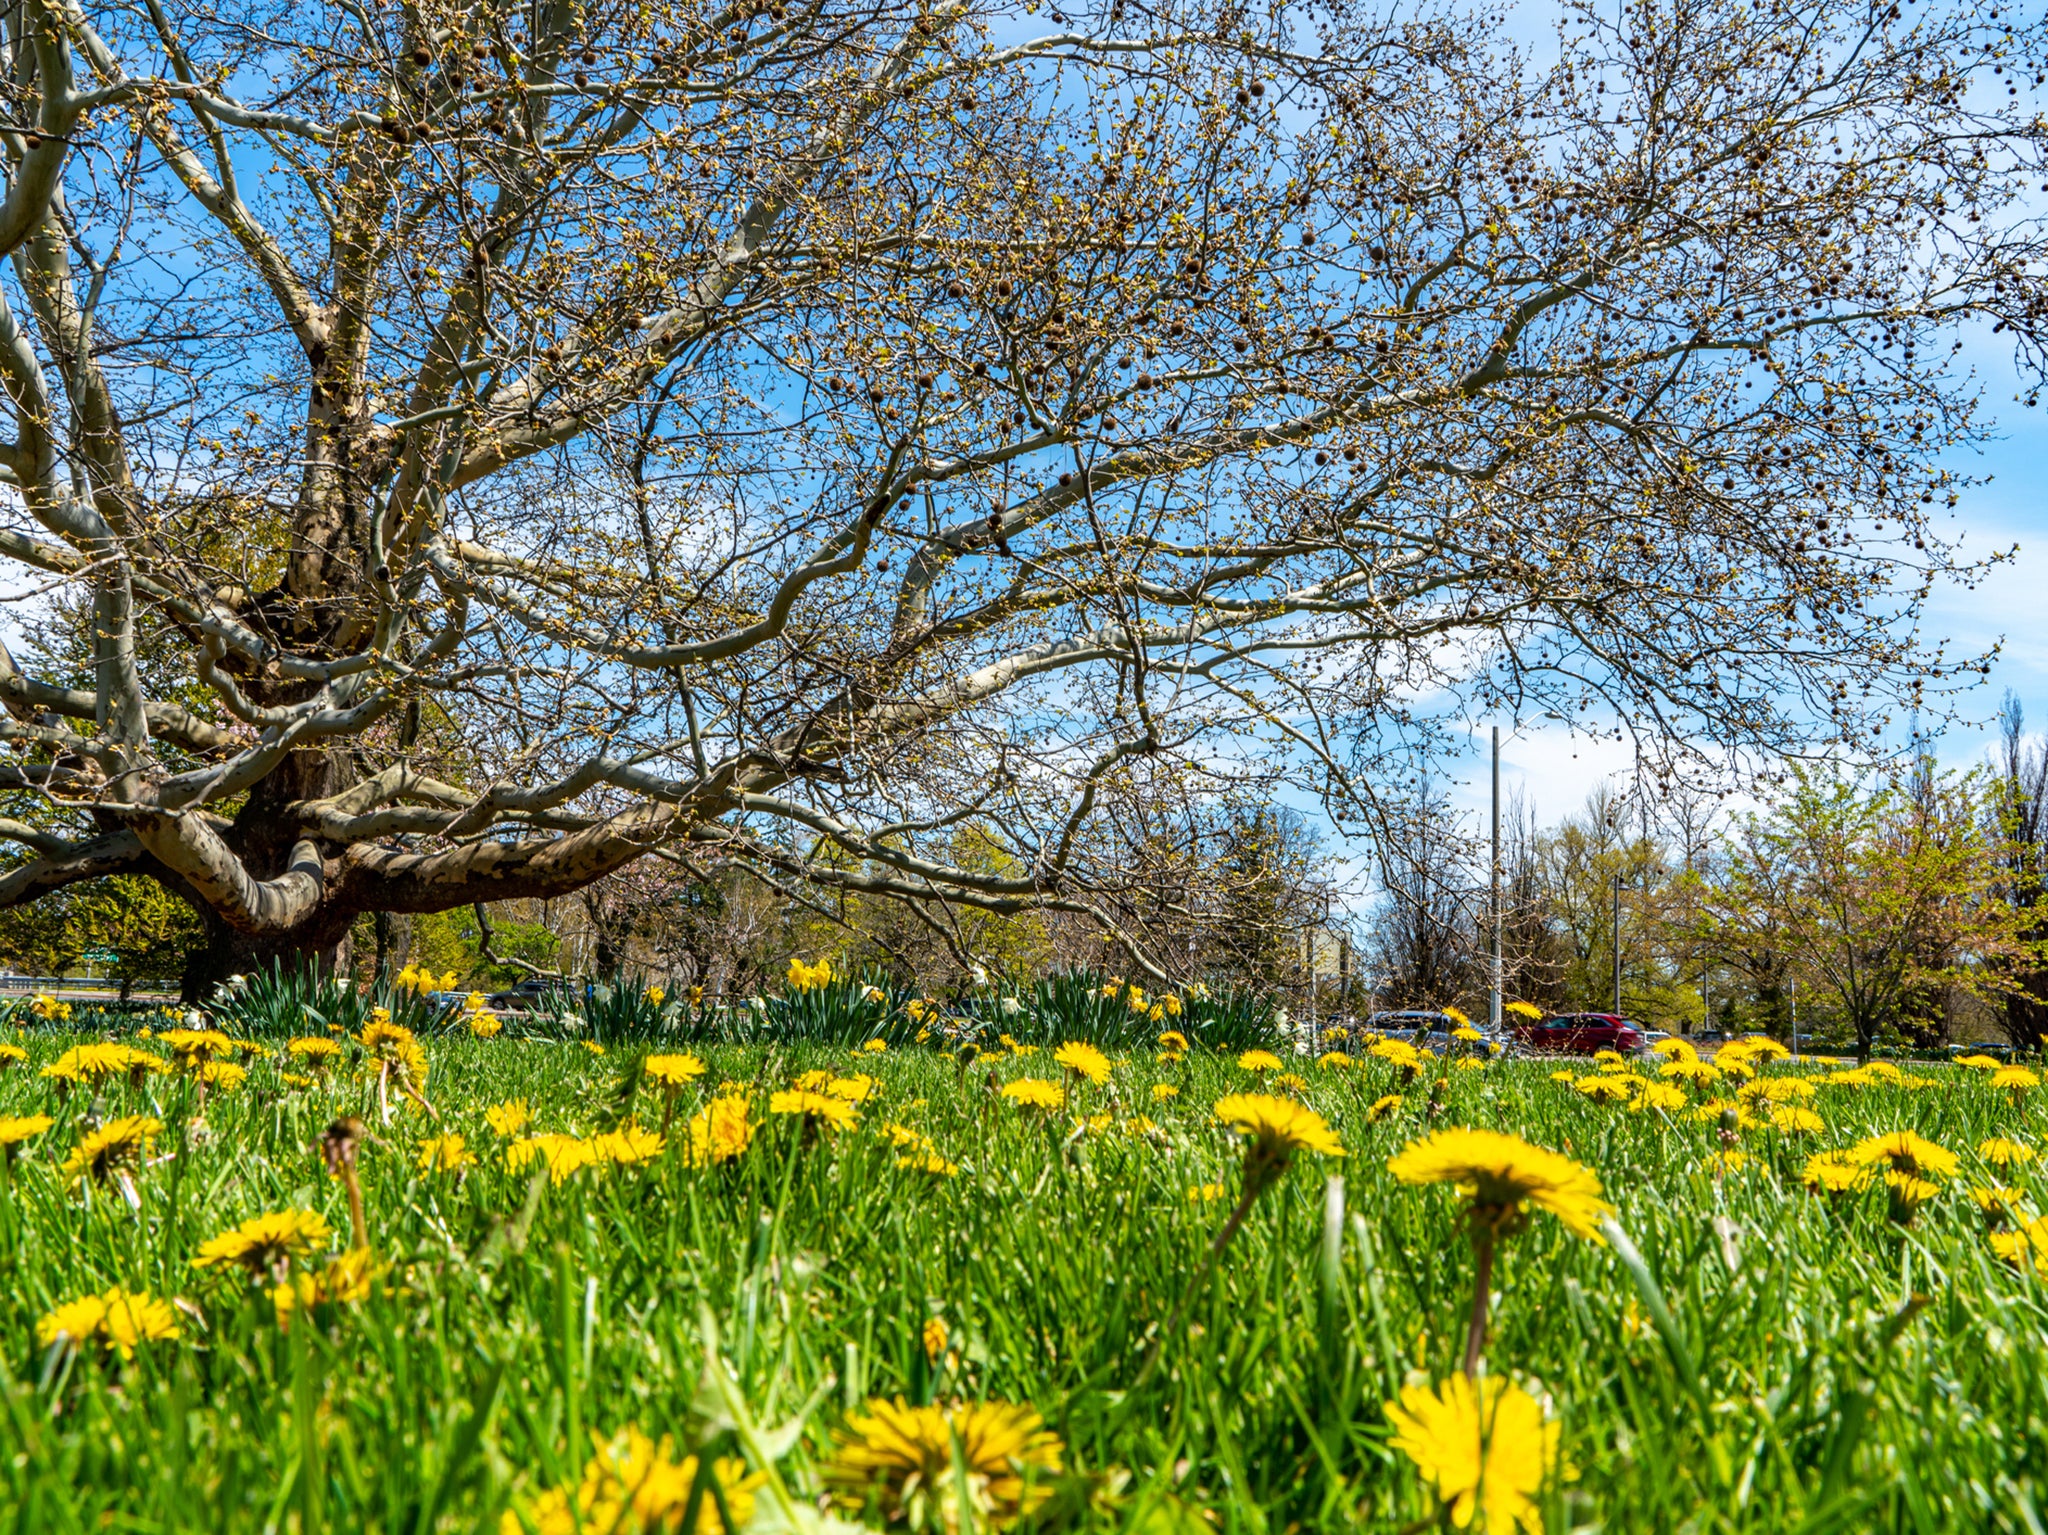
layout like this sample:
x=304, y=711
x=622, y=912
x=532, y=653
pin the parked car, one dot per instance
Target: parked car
x=1429, y=1030
x=533, y=992
x=1580, y=1034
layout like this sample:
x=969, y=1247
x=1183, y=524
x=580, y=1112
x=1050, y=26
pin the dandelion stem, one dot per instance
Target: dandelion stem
x=1482, y=1284
x=1253, y=1185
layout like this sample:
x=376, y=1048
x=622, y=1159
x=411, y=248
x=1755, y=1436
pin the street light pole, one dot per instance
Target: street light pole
x=1493, y=995
x=1617, y=945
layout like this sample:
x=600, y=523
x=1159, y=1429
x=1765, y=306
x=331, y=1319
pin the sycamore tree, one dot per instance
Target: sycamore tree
x=1881, y=894
x=543, y=434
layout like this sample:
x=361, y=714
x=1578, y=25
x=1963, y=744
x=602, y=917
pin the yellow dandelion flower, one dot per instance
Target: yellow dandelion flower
x=18, y=1128
x=267, y=1243
x=563, y=1155
x=1659, y=1096
x=2001, y=1205
x=627, y=1146
x=814, y=1108
x=1832, y=1172
x=444, y=1154
x=343, y=1280
x=119, y=1318
x=315, y=1050
x=908, y=1462
x=721, y=1130
x=117, y=1143
x=1695, y=1073
x=1603, y=1089
x=1793, y=1120
x=2015, y=1079
x=1258, y=1060
x=100, y=1061
x=2000, y=1152
x=673, y=1071
x=1036, y=1093
x=2027, y=1245
x=1383, y=1106
x=224, y=1075
x=1675, y=1050
x=1083, y=1060
x=1979, y=1062
x=857, y=1088
x=1334, y=1060
x=508, y=1118
x=1907, y=1192
x=1907, y=1153
x=1501, y=1173
x=633, y=1486
x=1777, y=1090
x=1173, y=1040
x=1277, y=1127
x=1204, y=1193
x=929, y=1162
x=1164, y=1092
x=1486, y=1449
x=1397, y=1051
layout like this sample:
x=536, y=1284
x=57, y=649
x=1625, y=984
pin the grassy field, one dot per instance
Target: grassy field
x=1749, y=1356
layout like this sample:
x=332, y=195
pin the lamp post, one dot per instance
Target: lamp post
x=1617, y=945
x=1493, y=998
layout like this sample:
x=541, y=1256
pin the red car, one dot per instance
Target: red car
x=1580, y=1034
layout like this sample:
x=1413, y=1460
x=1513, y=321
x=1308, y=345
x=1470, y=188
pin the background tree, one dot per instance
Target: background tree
x=2019, y=809
x=851, y=420
x=1882, y=895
